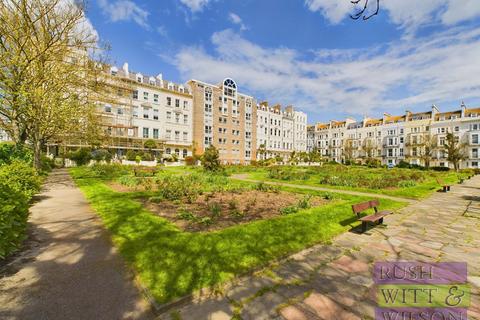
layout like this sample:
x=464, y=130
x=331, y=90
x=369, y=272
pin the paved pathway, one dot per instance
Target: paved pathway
x=69, y=269
x=244, y=177
x=335, y=282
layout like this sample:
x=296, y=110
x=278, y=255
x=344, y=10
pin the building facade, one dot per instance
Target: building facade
x=280, y=132
x=224, y=118
x=417, y=138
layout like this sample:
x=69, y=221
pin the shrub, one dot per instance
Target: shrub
x=190, y=161
x=215, y=209
x=288, y=210
x=13, y=218
x=131, y=155
x=9, y=152
x=81, y=156
x=21, y=177
x=129, y=180
x=287, y=173
x=440, y=168
x=206, y=221
x=407, y=184
x=172, y=187
x=145, y=156
x=108, y=171
x=211, y=159
x=304, y=203
x=101, y=155
x=184, y=214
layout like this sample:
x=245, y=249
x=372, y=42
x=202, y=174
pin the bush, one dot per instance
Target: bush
x=211, y=159
x=10, y=152
x=102, y=155
x=131, y=155
x=21, y=177
x=288, y=210
x=441, y=169
x=13, y=218
x=287, y=173
x=81, y=156
x=190, y=161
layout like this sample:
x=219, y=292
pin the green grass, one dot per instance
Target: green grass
x=421, y=190
x=173, y=263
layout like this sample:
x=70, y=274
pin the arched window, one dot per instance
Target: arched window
x=168, y=151
x=185, y=153
x=229, y=88
x=177, y=152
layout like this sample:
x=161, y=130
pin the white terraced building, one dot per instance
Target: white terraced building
x=392, y=139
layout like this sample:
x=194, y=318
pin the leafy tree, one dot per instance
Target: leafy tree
x=278, y=159
x=211, y=159
x=427, y=149
x=368, y=148
x=293, y=159
x=348, y=150
x=81, y=156
x=48, y=77
x=262, y=151
x=314, y=156
x=455, y=150
x=150, y=144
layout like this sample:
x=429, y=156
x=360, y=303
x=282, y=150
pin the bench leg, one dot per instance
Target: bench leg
x=448, y=188
x=380, y=221
x=364, y=226
x=444, y=188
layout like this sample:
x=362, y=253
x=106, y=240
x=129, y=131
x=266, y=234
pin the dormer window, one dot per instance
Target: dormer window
x=229, y=88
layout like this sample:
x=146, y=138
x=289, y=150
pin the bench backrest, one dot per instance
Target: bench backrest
x=360, y=207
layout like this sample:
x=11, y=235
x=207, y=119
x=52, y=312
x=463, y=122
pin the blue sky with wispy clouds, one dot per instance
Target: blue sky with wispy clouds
x=308, y=53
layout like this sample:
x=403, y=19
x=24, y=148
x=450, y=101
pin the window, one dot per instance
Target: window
x=457, y=129
x=177, y=118
x=169, y=115
x=208, y=129
x=474, y=138
x=185, y=105
x=155, y=133
x=208, y=94
x=145, y=113
x=208, y=108
x=177, y=152
x=155, y=114
x=168, y=134
x=168, y=151
x=185, y=136
x=145, y=96
x=135, y=112
x=177, y=135
x=155, y=98
x=177, y=103
x=185, y=119
x=145, y=132
x=185, y=153
x=135, y=94
x=229, y=88
x=475, y=153
x=169, y=101
x=108, y=109
x=208, y=141
x=119, y=110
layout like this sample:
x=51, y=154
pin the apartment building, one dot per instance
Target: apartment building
x=136, y=108
x=280, y=132
x=4, y=136
x=412, y=137
x=226, y=119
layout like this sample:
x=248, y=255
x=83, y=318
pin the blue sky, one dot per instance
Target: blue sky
x=308, y=53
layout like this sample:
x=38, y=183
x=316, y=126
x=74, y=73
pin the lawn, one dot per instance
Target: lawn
x=406, y=183
x=173, y=263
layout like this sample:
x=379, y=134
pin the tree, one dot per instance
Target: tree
x=293, y=159
x=368, y=148
x=314, y=155
x=428, y=147
x=455, y=150
x=348, y=150
x=262, y=151
x=48, y=76
x=211, y=159
x=364, y=11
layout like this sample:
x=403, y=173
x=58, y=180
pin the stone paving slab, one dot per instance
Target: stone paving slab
x=334, y=281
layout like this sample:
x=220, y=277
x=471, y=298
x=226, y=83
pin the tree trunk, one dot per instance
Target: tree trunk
x=37, y=154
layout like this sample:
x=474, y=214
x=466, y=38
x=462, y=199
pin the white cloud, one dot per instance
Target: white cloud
x=195, y=5
x=235, y=19
x=411, y=72
x=162, y=31
x=407, y=14
x=124, y=10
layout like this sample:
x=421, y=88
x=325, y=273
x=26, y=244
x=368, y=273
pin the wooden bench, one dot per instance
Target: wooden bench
x=376, y=217
x=445, y=187
x=144, y=170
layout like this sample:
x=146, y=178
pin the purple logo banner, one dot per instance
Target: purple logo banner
x=420, y=313
x=420, y=273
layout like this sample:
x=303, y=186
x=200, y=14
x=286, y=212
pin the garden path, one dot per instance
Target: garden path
x=244, y=177
x=68, y=269
x=334, y=281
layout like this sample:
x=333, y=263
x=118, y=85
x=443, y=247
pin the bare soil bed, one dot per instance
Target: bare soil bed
x=214, y=211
